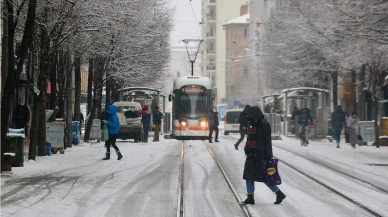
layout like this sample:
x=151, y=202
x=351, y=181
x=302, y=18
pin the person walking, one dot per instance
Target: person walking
x=242, y=120
x=21, y=114
x=216, y=124
x=113, y=125
x=352, y=124
x=258, y=148
x=338, y=121
x=305, y=120
x=157, y=120
x=211, y=123
x=146, y=120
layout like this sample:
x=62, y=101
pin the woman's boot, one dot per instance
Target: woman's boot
x=119, y=155
x=279, y=197
x=249, y=200
x=107, y=156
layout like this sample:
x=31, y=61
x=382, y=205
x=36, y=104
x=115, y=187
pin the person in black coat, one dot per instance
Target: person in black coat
x=21, y=115
x=216, y=123
x=258, y=148
x=243, y=121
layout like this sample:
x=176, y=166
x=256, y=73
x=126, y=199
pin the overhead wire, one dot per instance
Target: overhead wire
x=191, y=5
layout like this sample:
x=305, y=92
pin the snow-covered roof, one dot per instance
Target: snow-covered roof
x=305, y=88
x=244, y=19
x=139, y=88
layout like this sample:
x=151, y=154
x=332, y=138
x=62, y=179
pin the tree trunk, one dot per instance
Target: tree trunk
x=353, y=86
x=53, y=81
x=77, y=92
x=88, y=126
x=61, y=83
x=90, y=86
x=361, y=93
x=68, y=100
x=334, y=76
x=4, y=51
x=375, y=116
x=34, y=128
x=12, y=78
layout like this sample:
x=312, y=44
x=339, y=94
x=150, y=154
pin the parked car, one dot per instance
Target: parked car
x=231, y=124
x=130, y=122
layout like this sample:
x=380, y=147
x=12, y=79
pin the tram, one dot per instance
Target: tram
x=192, y=100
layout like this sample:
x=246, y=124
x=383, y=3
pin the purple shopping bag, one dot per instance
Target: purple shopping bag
x=271, y=172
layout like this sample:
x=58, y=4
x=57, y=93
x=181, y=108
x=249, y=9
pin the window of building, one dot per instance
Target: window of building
x=245, y=51
x=246, y=33
x=245, y=70
x=232, y=33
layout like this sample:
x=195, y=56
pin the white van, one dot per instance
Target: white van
x=231, y=124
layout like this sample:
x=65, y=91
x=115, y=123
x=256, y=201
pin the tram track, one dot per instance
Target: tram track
x=333, y=190
x=353, y=201
x=180, y=210
x=381, y=189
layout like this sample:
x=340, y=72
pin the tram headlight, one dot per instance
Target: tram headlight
x=203, y=123
x=183, y=122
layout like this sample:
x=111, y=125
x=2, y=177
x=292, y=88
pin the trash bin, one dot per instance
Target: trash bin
x=14, y=144
x=48, y=148
x=75, y=132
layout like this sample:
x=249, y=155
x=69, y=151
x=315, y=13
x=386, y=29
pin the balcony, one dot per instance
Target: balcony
x=211, y=67
x=211, y=34
x=211, y=51
x=211, y=17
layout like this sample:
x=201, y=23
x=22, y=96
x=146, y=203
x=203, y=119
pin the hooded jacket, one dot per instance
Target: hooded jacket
x=113, y=122
x=258, y=147
x=242, y=119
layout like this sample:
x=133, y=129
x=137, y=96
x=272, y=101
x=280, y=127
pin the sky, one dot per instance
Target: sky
x=186, y=20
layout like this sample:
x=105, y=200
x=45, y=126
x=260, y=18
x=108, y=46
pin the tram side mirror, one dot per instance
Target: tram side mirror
x=170, y=97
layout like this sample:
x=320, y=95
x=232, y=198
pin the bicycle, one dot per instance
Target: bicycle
x=302, y=135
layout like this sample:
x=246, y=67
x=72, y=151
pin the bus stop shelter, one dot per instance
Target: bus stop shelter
x=305, y=97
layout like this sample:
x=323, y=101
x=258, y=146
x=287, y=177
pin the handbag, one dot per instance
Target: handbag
x=271, y=172
x=105, y=134
x=359, y=137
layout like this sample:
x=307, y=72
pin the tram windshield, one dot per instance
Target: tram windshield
x=191, y=101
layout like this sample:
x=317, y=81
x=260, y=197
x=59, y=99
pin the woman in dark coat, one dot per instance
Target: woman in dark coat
x=258, y=148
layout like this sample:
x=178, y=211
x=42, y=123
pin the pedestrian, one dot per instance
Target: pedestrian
x=305, y=120
x=157, y=121
x=352, y=124
x=211, y=122
x=338, y=121
x=113, y=125
x=216, y=124
x=258, y=148
x=243, y=121
x=146, y=120
x=21, y=114
x=81, y=121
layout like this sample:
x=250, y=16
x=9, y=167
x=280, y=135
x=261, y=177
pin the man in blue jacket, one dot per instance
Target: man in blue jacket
x=113, y=125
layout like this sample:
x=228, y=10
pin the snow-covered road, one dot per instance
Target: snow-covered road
x=145, y=181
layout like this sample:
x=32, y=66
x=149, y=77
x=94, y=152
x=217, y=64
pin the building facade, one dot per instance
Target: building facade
x=237, y=59
x=213, y=52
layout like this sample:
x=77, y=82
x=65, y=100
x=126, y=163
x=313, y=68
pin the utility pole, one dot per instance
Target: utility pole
x=186, y=41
